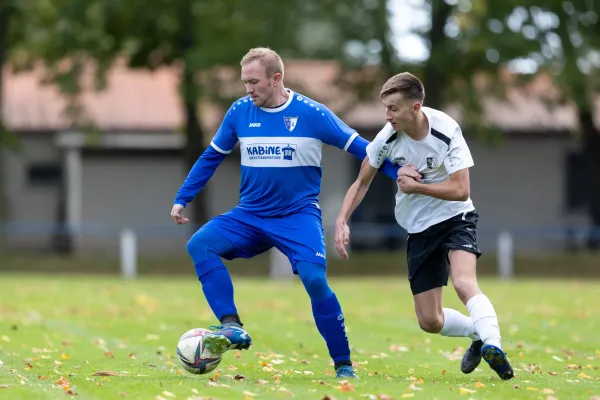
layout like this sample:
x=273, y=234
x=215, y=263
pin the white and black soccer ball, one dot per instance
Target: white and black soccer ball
x=192, y=354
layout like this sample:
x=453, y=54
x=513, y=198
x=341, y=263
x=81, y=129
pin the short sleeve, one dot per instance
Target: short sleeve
x=333, y=131
x=379, y=148
x=459, y=157
x=226, y=137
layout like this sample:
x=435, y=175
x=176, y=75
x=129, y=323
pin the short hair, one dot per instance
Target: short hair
x=268, y=58
x=405, y=83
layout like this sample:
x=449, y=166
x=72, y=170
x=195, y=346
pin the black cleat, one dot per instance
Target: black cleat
x=497, y=360
x=472, y=357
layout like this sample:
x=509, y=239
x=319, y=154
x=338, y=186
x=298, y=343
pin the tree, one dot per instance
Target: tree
x=194, y=37
x=566, y=44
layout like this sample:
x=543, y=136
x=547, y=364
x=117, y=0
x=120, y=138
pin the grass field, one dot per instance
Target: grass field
x=103, y=338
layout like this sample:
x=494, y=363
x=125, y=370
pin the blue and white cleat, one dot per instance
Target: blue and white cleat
x=229, y=337
x=498, y=361
x=345, y=371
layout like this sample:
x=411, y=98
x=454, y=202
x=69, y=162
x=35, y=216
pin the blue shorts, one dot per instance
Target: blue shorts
x=299, y=236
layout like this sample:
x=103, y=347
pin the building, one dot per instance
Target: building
x=126, y=175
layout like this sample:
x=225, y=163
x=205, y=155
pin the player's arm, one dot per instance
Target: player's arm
x=336, y=133
x=457, y=188
x=222, y=144
x=199, y=175
x=457, y=164
x=358, y=147
x=355, y=195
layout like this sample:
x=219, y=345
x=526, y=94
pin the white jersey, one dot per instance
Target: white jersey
x=442, y=152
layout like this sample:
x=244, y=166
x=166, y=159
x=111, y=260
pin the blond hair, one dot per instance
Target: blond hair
x=268, y=58
x=406, y=84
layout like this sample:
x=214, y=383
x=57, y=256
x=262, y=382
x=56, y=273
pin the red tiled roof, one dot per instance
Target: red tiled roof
x=143, y=100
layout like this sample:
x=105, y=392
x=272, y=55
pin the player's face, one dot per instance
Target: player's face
x=400, y=112
x=258, y=85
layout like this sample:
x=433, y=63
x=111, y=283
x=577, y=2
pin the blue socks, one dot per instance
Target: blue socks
x=206, y=248
x=218, y=290
x=326, y=311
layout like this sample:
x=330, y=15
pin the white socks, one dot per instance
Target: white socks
x=458, y=325
x=484, y=319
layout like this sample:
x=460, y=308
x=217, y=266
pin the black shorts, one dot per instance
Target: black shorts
x=427, y=251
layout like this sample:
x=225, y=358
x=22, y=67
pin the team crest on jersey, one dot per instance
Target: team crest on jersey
x=432, y=163
x=399, y=160
x=290, y=122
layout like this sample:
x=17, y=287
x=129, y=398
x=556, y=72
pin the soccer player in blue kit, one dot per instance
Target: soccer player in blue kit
x=281, y=134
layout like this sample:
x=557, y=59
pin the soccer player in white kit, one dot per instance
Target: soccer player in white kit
x=433, y=204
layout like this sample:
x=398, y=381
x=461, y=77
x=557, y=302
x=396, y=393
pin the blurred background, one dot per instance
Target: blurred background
x=106, y=104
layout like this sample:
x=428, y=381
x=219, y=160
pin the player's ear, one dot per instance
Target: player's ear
x=417, y=107
x=276, y=78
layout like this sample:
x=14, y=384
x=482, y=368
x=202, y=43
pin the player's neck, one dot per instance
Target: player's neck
x=420, y=129
x=280, y=96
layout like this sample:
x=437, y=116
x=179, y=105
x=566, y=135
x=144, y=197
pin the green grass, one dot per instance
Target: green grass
x=73, y=327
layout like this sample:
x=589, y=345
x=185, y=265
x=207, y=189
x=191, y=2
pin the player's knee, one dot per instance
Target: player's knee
x=315, y=281
x=202, y=246
x=431, y=323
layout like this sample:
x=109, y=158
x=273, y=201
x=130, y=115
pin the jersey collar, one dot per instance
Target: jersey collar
x=283, y=106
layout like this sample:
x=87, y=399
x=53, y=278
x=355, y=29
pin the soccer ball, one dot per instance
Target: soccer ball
x=192, y=354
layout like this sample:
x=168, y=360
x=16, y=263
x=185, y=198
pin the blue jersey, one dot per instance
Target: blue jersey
x=280, y=151
x=281, y=154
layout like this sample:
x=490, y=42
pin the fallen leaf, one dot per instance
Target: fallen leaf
x=132, y=356
x=407, y=395
x=479, y=385
x=547, y=391
x=4, y=386
x=532, y=389
x=381, y=396
x=239, y=377
x=249, y=394
x=71, y=393
x=65, y=357
x=346, y=386
x=232, y=368
x=62, y=381
x=5, y=338
x=168, y=394
x=584, y=376
x=261, y=382
x=553, y=373
x=463, y=390
x=327, y=397
x=106, y=373
x=109, y=354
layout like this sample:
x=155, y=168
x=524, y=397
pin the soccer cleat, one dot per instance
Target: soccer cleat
x=497, y=360
x=225, y=338
x=345, y=371
x=472, y=357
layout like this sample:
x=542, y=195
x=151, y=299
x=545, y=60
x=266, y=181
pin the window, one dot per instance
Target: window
x=577, y=181
x=44, y=174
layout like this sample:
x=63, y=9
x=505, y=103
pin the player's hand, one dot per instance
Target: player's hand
x=408, y=185
x=176, y=214
x=410, y=171
x=342, y=237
